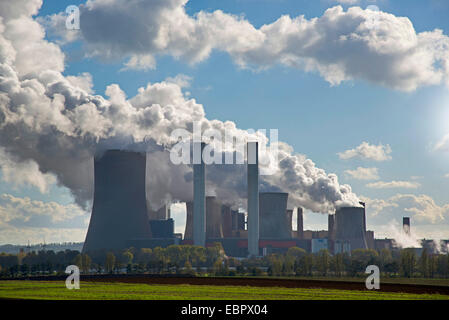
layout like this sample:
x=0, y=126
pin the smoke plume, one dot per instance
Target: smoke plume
x=57, y=124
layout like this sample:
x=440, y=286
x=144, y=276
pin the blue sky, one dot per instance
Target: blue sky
x=316, y=118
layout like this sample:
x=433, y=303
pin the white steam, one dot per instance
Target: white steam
x=57, y=125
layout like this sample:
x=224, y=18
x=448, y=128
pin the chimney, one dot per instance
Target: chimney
x=199, y=196
x=300, y=224
x=253, y=198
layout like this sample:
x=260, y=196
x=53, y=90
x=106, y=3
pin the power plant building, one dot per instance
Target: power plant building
x=121, y=216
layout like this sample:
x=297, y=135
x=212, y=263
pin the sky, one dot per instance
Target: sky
x=362, y=93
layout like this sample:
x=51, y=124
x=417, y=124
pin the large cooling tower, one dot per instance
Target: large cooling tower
x=188, y=233
x=273, y=222
x=213, y=218
x=119, y=211
x=349, y=225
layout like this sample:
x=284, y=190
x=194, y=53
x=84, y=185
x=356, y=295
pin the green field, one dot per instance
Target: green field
x=55, y=290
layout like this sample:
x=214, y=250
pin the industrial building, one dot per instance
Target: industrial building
x=122, y=217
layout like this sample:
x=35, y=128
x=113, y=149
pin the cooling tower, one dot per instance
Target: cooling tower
x=119, y=211
x=349, y=226
x=406, y=225
x=213, y=218
x=299, y=223
x=253, y=198
x=199, y=197
x=273, y=208
x=289, y=217
x=226, y=217
x=188, y=233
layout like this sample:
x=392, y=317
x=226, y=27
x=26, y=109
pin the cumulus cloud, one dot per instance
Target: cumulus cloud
x=363, y=173
x=393, y=185
x=422, y=207
x=340, y=45
x=367, y=151
x=24, y=173
x=23, y=209
x=56, y=122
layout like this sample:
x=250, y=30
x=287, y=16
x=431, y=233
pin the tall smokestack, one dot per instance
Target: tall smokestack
x=119, y=211
x=199, y=195
x=406, y=225
x=299, y=223
x=253, y=198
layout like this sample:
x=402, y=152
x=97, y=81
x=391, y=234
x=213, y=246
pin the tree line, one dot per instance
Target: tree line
x=196, y=260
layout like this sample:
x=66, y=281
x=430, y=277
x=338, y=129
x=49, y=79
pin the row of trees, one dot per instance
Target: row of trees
x=187, y=259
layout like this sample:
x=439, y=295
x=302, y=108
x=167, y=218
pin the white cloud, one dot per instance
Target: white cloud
x=368, y=152
x=443, y=144
x=23, y=209
x=421, y=207
x=340, y=45
x=374, y=206
x=56, y=122
x=19, y=173
x=363, y=173
x=446, y=175
x=393, y=185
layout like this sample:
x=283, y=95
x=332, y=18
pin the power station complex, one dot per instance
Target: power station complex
x=122, y=218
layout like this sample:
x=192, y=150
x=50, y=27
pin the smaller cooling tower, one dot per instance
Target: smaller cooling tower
x=299, y=223
x=273, y=209
x=188, y=233
x=226, y=217
x=213, y=218
x=350, y=226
